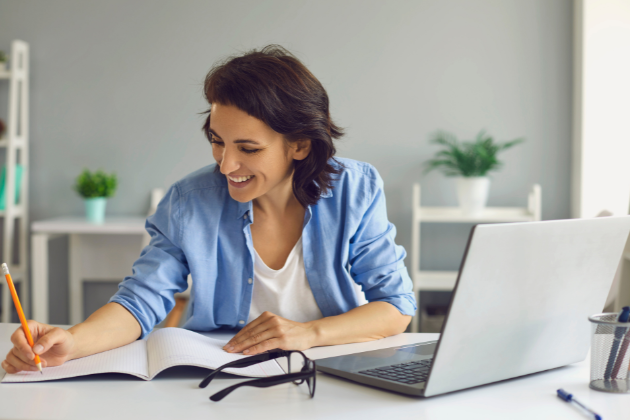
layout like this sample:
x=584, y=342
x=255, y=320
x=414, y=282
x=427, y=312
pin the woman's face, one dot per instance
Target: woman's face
x=255, y=159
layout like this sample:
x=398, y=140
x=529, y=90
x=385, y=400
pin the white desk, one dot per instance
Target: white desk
x=102, y=252
x=174, y=395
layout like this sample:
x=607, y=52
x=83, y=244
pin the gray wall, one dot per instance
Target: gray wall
x=117, y=85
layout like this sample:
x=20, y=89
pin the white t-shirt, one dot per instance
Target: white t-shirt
x=285, y=292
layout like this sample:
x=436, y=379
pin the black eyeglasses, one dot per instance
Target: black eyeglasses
x=304, y=371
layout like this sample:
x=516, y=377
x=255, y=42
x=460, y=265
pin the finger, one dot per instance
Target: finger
x=8, y=368
x=253, y=340
x=256, y=322
x=273, y=343
x=52, y=337
x=18, y=338
x=23, y=358
x=19, y=364
x=37, y=329
x=270, y=323
x=262, y=318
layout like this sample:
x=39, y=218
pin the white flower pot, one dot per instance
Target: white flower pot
x=472, y=193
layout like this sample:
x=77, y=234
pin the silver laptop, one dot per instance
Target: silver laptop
x=520, y=306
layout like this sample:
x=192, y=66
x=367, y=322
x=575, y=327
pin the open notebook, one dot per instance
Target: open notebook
x=162, y=349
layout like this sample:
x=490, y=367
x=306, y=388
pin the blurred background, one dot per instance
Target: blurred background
x=117, y=85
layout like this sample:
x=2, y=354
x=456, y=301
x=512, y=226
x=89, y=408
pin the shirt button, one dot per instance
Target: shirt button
x=245, y=215
x=241, y=322
x=250, y=281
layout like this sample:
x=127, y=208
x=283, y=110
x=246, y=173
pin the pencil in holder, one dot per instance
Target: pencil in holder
x=610, y=354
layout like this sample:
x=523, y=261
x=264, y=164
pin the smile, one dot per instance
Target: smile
x=240, y=181
x=240, y=178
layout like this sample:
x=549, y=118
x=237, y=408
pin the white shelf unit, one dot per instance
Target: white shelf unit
x=424, y=280
x=15, y=143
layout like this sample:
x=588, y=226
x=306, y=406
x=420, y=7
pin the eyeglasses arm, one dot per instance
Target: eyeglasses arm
x=263, y=383
x=241, y=363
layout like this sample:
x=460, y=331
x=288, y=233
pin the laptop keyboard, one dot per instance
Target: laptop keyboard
x=406, y=373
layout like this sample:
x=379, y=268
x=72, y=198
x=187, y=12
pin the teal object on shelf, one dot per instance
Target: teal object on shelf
x=19, y=169
x=95, y=209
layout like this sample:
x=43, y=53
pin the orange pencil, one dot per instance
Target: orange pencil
x=18, y=307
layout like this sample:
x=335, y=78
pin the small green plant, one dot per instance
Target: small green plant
x=96, y=184
x=467, y=158
x=3, y=57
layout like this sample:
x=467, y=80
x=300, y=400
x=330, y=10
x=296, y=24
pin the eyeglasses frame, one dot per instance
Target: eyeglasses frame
x=307, y=372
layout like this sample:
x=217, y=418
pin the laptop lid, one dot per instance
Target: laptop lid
x=522, y=299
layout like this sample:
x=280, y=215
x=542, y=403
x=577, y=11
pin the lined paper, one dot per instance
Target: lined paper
x=130, y=359
x=169, y=347
x=162, y=349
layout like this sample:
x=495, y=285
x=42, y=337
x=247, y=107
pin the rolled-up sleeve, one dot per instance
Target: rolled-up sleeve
x=160, y=271
x=377, y=263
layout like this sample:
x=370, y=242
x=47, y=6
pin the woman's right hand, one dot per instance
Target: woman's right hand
x=54, y=346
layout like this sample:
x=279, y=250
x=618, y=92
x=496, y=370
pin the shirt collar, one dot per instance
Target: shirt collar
x=246, y=208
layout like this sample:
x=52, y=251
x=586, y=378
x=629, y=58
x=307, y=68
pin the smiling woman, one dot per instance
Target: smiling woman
x=274, y=88
x=276, y=233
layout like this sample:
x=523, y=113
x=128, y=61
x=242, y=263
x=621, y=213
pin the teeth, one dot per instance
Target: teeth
x=241, y=178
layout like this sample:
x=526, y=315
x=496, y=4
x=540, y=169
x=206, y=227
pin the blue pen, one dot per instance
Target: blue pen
x=624, y=316
x=564, y=395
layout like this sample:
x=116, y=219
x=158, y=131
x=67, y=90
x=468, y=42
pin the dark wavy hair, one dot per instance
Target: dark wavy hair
x=275, y=87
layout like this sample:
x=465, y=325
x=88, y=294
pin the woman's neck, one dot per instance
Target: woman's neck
x=278, y=202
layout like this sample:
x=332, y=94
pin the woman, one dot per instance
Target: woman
x=274, y=234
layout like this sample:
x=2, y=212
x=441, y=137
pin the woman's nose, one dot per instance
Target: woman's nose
x=228, y=162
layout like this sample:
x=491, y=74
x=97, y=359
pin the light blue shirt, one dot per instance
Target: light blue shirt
x=199, y=229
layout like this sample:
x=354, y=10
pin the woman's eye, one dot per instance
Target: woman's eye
x=244, y=150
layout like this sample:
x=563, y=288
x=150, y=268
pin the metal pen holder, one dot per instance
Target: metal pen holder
x=610, y=354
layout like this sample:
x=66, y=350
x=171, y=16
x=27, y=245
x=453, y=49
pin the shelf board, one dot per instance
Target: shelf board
x=489, y=215
x=17, y=275
x=112, y=225
x=18, y=211
x=4, y=142
x=435, y=280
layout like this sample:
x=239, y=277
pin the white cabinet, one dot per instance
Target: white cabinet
x=15, y=143
x=445, y=280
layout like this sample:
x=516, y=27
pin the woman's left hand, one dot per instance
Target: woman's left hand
x=270, y=331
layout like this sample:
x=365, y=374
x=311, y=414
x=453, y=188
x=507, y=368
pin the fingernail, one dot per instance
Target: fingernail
x=230, y=348
x=38, y=348
x=245, y=351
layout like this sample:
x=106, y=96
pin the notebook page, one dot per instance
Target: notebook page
x=169, y=347
x=131, y=359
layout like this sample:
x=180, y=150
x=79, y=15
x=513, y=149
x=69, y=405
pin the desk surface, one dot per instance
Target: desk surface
x=112, y=225
x=174, y=394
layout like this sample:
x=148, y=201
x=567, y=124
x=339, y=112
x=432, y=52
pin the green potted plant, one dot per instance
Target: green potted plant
x=3, y=61
x=95, y=188
x=470, y=162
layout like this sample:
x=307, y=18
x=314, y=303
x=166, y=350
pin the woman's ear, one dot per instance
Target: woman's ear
x=301, y=149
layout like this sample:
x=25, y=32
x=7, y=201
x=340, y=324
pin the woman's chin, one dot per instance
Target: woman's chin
x=240, y=196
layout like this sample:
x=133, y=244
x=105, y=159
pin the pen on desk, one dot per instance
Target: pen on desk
x=18, y=308
x=565, y=396
x=624, y=316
